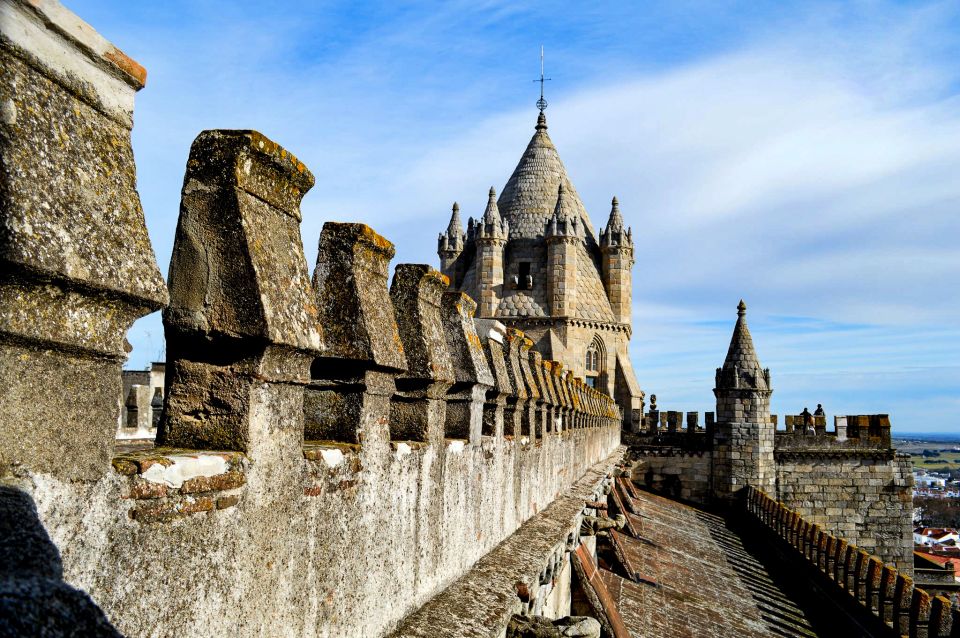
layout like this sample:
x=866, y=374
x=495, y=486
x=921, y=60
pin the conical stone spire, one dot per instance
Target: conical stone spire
x=492, y=214
x=450, y=243
x=741, y=369
x=528, y=200
x=492, y=225
x=615, y=223
x=455, y=227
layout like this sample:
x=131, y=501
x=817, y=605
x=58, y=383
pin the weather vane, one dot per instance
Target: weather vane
x=541, y=103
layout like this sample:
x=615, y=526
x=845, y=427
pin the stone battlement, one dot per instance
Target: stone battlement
x=886, y=599
x=678, y=429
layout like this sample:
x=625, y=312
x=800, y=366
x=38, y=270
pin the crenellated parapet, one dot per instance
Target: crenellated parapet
x=885, y=598
x=860, y=431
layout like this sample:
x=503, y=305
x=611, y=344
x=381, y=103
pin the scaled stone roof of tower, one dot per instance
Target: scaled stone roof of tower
x=530, y=196
x=519, y=304
x=741, y=358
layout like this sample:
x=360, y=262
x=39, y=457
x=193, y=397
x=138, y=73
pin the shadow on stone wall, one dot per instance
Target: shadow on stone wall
x=34, y=599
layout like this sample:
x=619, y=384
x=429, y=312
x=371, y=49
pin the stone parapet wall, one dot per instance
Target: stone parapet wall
x=885, y=597
x=332, y=452
x=674, y=471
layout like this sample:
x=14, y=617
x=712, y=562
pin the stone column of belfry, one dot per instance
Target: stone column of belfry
x=564, y=233
x=491, y=236
x=616, y=246
x=743, y=434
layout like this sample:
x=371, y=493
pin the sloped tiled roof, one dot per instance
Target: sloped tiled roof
x=695, y=577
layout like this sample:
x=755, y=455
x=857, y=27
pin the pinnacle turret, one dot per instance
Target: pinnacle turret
x=616, y=233
x=565, y=220
x=741, y=369
x=492, y=225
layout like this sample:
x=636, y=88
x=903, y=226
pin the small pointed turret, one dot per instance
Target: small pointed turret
x=743, y=436
x=741, y=369
x=450, y=244
x=490, y=235
x=616, y=248
x=492, y=225
x=616, y=233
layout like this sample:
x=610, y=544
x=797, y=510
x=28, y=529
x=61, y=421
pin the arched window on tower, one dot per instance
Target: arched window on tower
x=593, y=361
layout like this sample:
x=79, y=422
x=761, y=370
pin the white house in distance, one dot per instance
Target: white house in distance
x=932, y=536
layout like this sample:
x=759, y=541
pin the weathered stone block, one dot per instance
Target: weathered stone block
x=76, y=262
x=351, y=384
x=242, y=322
x=418, y=409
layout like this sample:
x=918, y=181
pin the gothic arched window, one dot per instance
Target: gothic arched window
x=593, y=361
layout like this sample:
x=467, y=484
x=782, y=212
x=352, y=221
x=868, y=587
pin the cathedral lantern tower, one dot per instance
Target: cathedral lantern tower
x=535, y=263
x=616, y=246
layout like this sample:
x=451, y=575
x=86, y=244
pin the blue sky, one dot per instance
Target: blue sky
x=803, y=156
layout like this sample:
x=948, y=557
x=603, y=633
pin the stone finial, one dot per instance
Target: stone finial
x=541, y=122
x=615, y=222
x=455, y=228
x=492, y=225
x=491, y=215
x=242, y=328
x=741, y=368
x=450, y=243
x=616, y=234
x=78, y=267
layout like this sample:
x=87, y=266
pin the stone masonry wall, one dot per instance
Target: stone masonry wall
x=864, y=498
x=674, y=472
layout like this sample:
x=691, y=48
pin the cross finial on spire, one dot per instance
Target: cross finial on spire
x=541, y=103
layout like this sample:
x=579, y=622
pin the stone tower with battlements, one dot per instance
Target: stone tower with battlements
x=533, y=261
x=744, y=433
